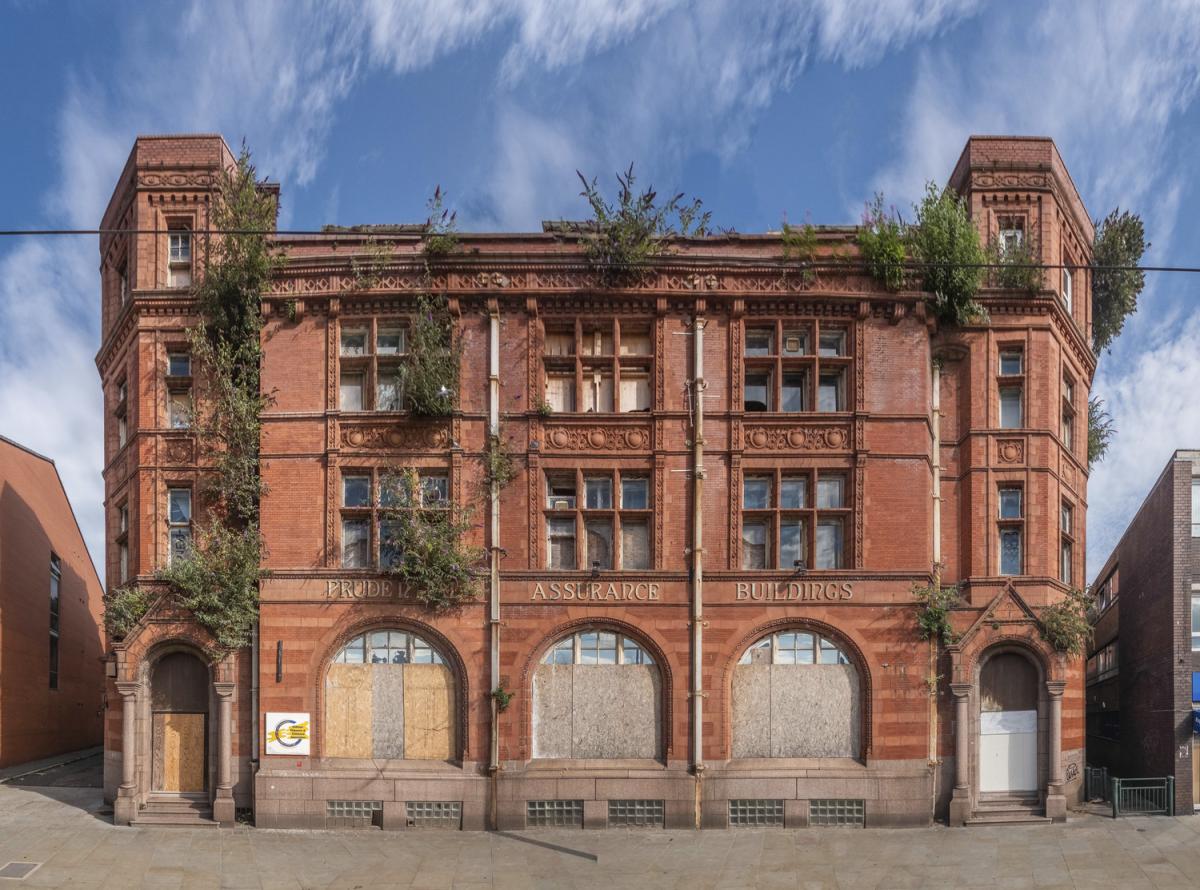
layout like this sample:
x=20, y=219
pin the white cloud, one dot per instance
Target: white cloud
x=692, y=77
x=1106, y=81
x=1154, y=408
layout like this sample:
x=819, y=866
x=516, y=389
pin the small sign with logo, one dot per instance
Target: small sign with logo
x=288, y=733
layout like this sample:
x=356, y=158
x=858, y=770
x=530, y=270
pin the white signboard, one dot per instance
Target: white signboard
x=288, y=733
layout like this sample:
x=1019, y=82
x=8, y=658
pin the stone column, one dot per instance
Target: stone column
x=125, y=806
x=960, y=801
x=223, y=810
x=1056, y=801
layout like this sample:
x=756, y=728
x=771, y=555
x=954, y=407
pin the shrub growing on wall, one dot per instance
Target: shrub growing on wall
x=217, y=579
x=433, y=559
x=881, y=243
x=946, y=244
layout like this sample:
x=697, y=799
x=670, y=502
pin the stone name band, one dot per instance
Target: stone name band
x=623, y=591
x=790, y=591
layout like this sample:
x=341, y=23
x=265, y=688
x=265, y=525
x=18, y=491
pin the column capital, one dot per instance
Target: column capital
x=961, y=690
x=1055, y=688
x=128, y=688
x=224, y=689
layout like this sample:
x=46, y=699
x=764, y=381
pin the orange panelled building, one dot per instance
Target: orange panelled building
x=730, y=473
x=51, y=675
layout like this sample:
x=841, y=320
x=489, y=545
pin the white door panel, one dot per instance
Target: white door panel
x=1008, y=751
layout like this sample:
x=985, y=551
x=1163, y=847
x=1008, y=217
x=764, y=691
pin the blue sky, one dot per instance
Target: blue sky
x=762, y=109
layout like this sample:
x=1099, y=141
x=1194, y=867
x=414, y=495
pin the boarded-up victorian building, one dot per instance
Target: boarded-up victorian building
x=730, y=471
x=51, y=674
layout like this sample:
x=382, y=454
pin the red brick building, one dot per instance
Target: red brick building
x=730, y=476
x=51, y=674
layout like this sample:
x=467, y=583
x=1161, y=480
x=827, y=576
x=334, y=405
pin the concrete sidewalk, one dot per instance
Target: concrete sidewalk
x=62, y=829
x=20, y=770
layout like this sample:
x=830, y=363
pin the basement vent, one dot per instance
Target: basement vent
x=353, y=814
x=554, y=814
x=837, y=812
x=635, y=814
x=755, y=812
x=434, y=813
x=18, y=871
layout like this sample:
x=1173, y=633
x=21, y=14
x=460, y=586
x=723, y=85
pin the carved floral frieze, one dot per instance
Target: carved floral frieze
x=796, y=437
x=174, y=180
x=405, y=437
x=597, y=438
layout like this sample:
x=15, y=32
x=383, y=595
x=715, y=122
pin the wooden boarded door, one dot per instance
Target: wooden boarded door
x=1008, y=725
x=179, y=702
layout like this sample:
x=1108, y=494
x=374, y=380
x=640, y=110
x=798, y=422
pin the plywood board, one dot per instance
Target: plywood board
x=615, y=711
x=428, y=712
x=552, y=707
x=387, y=710
x=179, y=751
x=815, y=710
x=348, y=728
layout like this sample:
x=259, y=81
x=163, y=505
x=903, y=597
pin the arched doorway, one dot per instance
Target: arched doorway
x=179, y=693
x=1008, y=724
x=796, y=694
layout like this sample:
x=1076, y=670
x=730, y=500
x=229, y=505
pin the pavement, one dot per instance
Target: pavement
x=77, y=769
x=69, y=832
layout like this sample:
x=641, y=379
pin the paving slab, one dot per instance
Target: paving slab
x=67, y=831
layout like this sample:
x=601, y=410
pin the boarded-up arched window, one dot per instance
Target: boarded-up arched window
x=389, y=694
x=796, y=694
x=597, y=694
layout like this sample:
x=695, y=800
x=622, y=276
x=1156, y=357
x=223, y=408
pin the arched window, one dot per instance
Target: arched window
x=388, y=647
x=389, y=694
x=597, y=647
x=597, y=695
x=796, y=694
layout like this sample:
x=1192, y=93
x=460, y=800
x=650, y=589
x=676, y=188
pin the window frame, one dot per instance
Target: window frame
x=179, y=525
x=55, y=616
x=577, y=648
x=1010, y=524
x=410, y=647
x=121, y=411
x=122, y=542
x=817, y=646
x=375, y=367
x=594, y=372
x=810, y=515
x=374, y=511
x=1009, y=381
x=1068, y=423
x=1066, y=543
x=810, y=363
x=180, y=266
x=577, y=510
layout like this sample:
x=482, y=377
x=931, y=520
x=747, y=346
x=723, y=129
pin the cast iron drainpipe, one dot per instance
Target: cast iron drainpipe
x=494, y=550
x=698, y=387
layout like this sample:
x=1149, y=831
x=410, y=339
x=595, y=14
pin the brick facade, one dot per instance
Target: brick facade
x=45, y=709
x=514, y=293
x=1139, y=706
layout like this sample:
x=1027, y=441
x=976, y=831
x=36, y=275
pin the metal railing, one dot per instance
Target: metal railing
x=1095, y=783
x=1143, y=797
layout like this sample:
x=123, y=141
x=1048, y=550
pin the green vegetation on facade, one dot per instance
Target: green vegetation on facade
x=621, y=237
x=881, y=244
x=934, y=603
x=1066, y=625
x=431, y=559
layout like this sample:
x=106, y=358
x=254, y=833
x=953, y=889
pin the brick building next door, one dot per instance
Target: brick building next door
x=179, y=704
